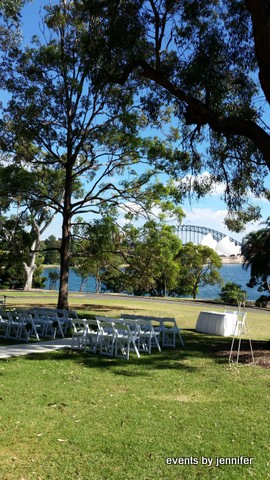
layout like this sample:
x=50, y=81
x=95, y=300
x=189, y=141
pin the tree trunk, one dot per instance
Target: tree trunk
x=64, y=263
x=260, y=12
x=65, y=245
x=37, y=229
x=30, y=269
x=98, y=281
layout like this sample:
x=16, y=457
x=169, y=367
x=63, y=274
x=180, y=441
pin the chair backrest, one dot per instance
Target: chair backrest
x=132, y=323
x=92, y=324
x=122, y=328
x=4, y=315
x=144, y=324
x=107, y=327
x=78, y=325
x=168, y=321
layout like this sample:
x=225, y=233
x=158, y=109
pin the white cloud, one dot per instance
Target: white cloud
x=188, y=180
x=206, y=217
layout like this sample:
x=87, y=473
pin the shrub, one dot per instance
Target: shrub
x=263, y=301
x=231, y=293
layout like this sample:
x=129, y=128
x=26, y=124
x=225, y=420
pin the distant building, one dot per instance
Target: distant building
x=225, y=247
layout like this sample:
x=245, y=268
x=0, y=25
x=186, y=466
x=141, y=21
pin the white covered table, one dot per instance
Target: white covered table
x=217, y=323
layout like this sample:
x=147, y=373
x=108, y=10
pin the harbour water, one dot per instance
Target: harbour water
x=229, y=272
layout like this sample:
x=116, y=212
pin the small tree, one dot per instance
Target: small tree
x=53, y=277
x=231, y=293
x=95, y=248
x=18, y=190
x=146, y=260
x=255, y=251
x=199, y=266
x=16, y=242
x=51, y=250
x=150, y=258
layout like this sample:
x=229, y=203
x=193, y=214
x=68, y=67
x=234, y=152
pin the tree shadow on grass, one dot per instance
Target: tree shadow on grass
x=89, y=308
x=197, y=347
x=166, y=359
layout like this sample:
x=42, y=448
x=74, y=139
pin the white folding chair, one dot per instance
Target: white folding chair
x=65, y=319
x=19, y=327
x=79, y=333
x=15, y=330
x=169, y=331
x=53, y=325
x=133, y=326
x=124, y=341
x=5, y=321
x=40, y=320
x=92, y=335
x=28, y=328
x=107, y=338
x=148, y=337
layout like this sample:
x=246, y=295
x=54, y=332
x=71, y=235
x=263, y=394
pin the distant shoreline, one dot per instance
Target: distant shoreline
x=237, y=260
x=225, y=261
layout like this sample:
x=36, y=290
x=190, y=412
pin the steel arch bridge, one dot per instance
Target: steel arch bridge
x=195, y=234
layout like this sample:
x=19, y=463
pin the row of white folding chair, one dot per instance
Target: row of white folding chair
x=169, y=331
x=60, y=316
x=80, y=329
x=36, y=328
x=142, y=331
x=116, y=338
x=166, y=326
x=45, y=322
x=107, y=335
x=22, y=324
x=4, y=324
x=148, y=336
x=48, y=322
x=63, y=317
x=17, y=326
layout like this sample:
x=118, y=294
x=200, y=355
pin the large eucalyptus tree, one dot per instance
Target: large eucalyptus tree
x=65, y=116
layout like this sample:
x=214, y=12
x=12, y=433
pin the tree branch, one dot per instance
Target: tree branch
x=200, y=114
x=260, y=13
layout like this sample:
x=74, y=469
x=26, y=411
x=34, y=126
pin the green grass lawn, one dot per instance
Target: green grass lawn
x=70, y=415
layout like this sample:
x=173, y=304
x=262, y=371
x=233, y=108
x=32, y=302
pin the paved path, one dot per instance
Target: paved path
x=8, y=351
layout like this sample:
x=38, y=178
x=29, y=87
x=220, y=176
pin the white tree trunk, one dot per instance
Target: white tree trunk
x=30, y=269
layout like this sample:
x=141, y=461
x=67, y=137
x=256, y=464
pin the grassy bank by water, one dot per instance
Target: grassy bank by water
x=70, y=415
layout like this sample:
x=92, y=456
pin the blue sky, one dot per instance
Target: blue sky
x=209, y=211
